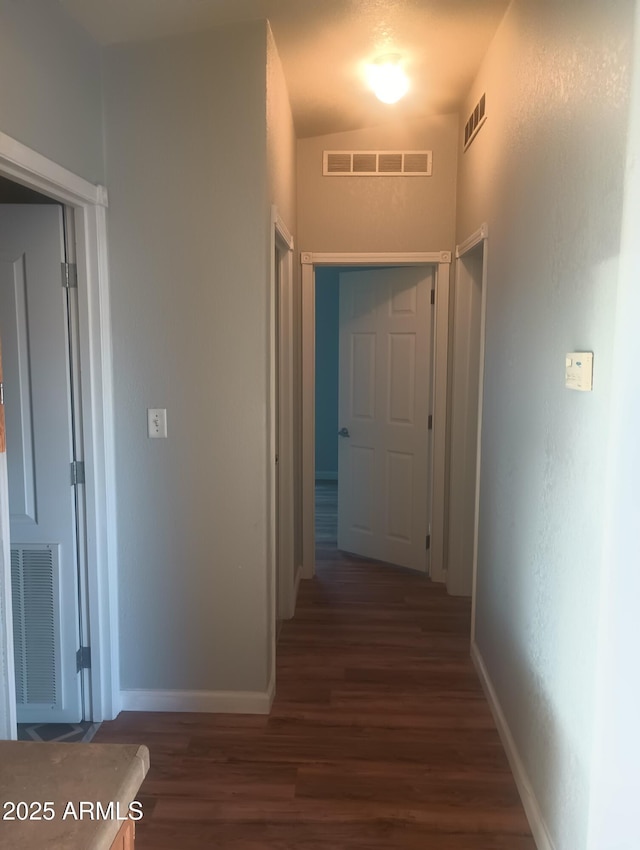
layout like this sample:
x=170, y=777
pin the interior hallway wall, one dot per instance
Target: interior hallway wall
x=51, y=101
x=190, y=236
x=614, y=775
x=50, y=96
x=281, y=138
x=387, y=213
x=546, y=172
x=281, y=171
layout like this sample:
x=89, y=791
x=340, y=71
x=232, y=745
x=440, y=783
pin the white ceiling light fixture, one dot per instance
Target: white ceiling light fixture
x=387, y=78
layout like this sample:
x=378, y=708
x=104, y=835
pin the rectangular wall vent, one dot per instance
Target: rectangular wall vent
x=475, y=122
x=377, y=163
x=36, y=625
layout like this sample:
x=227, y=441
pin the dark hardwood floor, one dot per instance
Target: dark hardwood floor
x=379, y=736
x=326, y=493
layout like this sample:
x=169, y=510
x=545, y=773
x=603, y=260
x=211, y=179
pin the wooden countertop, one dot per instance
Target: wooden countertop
x=65, y=775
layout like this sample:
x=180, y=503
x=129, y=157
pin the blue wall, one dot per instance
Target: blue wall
x=327, y=349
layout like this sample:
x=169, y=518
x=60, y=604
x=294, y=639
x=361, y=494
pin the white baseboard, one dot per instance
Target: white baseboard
x=327, y=476
x=213, y=702
x=529, y=801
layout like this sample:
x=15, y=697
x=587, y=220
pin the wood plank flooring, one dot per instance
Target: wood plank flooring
x=379, y=736
x=326, y=517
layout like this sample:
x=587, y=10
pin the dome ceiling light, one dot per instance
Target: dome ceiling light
x=387, y=78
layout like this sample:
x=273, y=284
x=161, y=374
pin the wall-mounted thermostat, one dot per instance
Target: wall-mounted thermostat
x=579, y=371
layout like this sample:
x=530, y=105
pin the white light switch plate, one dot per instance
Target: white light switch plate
x=157, y=422
x=579, y=371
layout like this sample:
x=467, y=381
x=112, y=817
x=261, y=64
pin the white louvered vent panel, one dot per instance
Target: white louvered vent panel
x=36, y=623
x=18, y=624
x=417, y=163
x=390, y=163
x=364, y=163
x=377, y=163
x=338, y=163
x=475, y=122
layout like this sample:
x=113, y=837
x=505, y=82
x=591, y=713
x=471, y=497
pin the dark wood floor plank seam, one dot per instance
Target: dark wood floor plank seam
x=379, y=738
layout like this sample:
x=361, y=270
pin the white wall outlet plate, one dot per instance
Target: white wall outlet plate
x=579, y=371
x=157, y=422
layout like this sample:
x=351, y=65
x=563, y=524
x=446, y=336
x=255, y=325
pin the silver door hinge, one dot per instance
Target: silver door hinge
x=77, y=472
x=69, y=275
x=1, y=393
x=83, y=658
x=427, y=542
x=433, y=296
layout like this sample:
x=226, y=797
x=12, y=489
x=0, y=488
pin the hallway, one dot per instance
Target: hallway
x=379, y=736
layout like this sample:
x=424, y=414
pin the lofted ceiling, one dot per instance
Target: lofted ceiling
x=324, y=45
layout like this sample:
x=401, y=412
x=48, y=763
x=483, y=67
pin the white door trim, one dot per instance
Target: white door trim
x=480, y=235
x=281, y=509
x=9, y=728
x=441, y=261
x=470, y=242
x=26, y=166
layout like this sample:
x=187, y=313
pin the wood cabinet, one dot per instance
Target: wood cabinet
x=126, y=837
x=60, y=773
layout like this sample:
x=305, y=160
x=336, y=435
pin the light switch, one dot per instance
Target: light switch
x=157, y=421
x=579, y=371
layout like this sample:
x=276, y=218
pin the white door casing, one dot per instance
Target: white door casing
x=281, y=438
x=384, y=400
x=34, y=329
x=440, y=262
x=89, y=202
x=470, y=244
x=8, y=725
x=286, y=596
x=469, y=300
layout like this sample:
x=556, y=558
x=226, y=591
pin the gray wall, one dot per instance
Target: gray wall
x=327, y=356
x=50, y=100
x=189, y=234
x=281, y=174
x=380, y=213
x=50, y=96
x=281, y=139
x=547, y=172
x=614, y=798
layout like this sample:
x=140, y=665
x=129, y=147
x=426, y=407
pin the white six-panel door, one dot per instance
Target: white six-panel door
x=34, y=332
x=385, y=388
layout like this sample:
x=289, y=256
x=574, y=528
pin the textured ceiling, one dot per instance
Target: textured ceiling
x=324, y=45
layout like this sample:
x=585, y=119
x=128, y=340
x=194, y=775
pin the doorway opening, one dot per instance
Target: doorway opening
x=57, y=524
x=281, y=427
x=467, y=374
x=374, y=365
x=364, y=278
x=43, y=400
x=327, y=334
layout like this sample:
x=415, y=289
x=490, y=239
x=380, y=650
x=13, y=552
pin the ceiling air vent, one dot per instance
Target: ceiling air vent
x=377, y=163
x=476, y=120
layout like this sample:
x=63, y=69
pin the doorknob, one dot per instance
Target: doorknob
x=344, y=432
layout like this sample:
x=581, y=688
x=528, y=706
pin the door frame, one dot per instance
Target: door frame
x=481, y=235
x=89, y=202
x=440, y=261
x=281, y=436
x=8, y=708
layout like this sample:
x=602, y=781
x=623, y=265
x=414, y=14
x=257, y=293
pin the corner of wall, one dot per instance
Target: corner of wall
x=529, y=800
